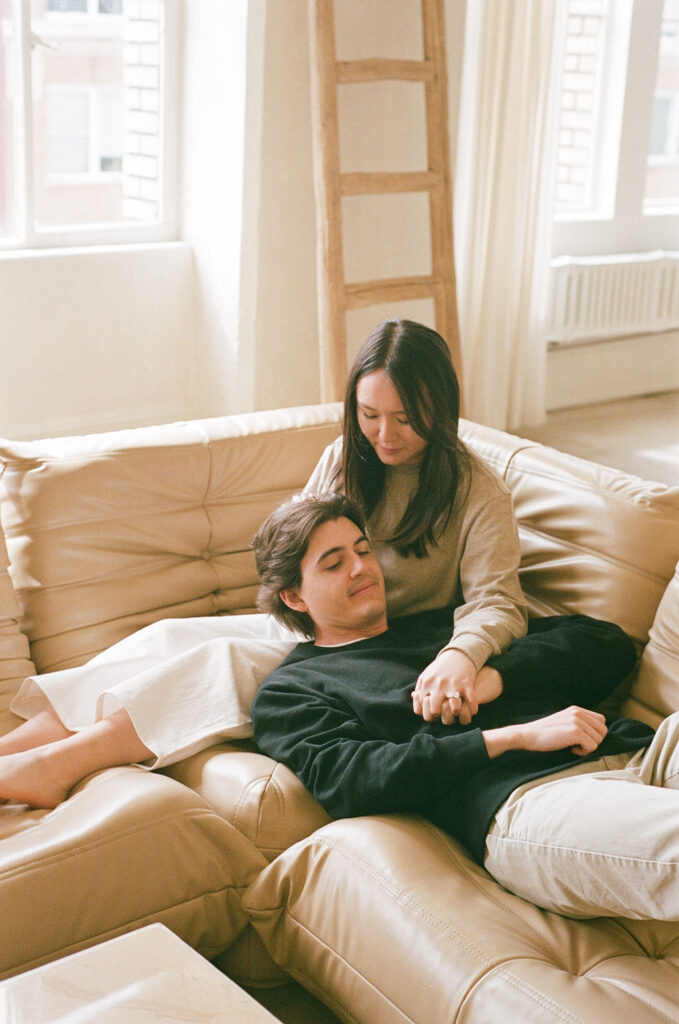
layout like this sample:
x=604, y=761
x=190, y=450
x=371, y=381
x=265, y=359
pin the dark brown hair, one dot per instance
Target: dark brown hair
x=417, y=361
x=281, y=543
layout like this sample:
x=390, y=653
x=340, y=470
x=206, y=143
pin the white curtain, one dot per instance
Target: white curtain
x=506, y=159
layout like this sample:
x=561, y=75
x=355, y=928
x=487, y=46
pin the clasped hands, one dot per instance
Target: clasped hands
x=451, y=689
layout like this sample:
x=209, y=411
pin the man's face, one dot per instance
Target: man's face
x=342, y=586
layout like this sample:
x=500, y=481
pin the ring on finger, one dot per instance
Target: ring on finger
x=454, y=695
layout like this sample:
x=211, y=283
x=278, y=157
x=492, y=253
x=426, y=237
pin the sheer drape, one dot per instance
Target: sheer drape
x=503, y=204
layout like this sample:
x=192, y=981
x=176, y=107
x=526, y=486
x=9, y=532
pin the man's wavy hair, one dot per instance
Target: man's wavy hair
x=281, y=543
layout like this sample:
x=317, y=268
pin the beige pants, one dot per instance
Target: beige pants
x=600, y=839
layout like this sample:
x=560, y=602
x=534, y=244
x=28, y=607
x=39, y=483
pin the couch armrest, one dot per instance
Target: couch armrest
x=260, y=797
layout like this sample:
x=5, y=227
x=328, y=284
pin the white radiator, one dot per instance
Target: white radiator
x=613, y=297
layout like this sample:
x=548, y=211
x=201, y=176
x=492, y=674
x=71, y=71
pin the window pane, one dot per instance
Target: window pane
x=7, y=126
x=67, y=111
x=67, y=156
x=580, y=93
x=662, y=106
x=97, y=109
x=662, y=174
x=67, y=5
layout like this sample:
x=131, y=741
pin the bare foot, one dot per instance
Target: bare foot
x=30, y=777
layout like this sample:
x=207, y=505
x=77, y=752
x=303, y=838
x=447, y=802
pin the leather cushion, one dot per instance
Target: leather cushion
x=126, y=848
x=109, y=532
x=386, y=919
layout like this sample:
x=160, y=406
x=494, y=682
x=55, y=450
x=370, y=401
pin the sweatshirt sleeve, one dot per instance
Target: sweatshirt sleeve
x=348, y=771
x=494, y=609
x=324, y=477
x=568, y=659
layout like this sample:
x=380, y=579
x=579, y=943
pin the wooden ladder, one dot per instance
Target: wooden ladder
x=336, y=296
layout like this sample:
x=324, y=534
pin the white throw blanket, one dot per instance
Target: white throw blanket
x=185, y=683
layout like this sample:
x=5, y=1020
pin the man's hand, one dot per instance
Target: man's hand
x=446, y=689
x=488, y=685
x=578, y=728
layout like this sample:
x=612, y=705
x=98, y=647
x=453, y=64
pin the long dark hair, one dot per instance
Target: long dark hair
x=418, y=363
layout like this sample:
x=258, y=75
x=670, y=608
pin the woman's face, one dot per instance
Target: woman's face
x=383, y=420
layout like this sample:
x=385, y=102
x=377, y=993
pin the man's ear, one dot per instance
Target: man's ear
x=291, y=597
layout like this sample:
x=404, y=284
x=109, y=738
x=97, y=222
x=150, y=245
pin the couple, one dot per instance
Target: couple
x=429, y=722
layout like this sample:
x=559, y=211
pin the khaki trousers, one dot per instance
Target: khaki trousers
x=600, y=839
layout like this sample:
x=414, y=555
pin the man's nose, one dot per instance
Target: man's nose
x=357, y=565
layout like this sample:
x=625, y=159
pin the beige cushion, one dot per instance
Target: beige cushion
x=387, y=920
x=127, y=847
x=15, y=660
x=259, y=796
x=593, y=540
x=656, y=690
x=107, y=533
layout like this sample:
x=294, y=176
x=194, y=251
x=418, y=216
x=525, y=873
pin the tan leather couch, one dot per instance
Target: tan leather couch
x=386, y=919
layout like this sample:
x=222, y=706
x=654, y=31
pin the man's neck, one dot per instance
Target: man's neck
x=339, y=638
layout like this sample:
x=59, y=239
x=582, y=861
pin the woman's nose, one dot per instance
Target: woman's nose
x=386, y=430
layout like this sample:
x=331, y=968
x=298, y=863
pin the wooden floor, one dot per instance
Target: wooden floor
x=639, y=435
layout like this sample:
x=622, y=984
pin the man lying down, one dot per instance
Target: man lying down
x=572, y=812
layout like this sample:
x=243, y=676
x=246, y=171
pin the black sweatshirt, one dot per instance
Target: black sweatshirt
x=342, y=719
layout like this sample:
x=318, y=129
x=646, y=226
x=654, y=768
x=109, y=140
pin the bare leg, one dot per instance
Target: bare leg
x=44, y=775
x=45, y=727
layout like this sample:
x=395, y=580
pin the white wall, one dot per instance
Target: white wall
x=222, y=80
x=283, y=332
x=94, y=339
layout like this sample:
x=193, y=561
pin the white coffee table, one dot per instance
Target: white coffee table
x=145, y=976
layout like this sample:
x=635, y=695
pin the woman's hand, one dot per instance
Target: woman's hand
x=446, y=689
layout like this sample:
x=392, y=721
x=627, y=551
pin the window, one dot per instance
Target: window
x=580, y=121
x=662, y=177
x=87, y=117
x=617, y=187
x=86, y=6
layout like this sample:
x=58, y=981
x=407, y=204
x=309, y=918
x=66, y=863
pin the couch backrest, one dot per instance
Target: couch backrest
x=597, y=541
x=107, y=533
x=655, y=692
x=15, y=658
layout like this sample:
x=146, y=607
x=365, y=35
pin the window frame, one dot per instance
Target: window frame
x=91, y=11
x=629, y=224
x=28, y=235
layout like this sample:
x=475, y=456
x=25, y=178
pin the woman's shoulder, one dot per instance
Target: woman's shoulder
x=480, y=478
x=332, y=455
x=325, y=474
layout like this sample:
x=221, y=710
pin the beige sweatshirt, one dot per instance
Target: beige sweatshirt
x=473, y=567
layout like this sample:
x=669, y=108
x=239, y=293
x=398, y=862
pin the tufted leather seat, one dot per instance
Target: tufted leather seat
x=386, y=919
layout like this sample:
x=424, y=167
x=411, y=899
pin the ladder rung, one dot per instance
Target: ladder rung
x=374, y=182
x=397, y=289
x=377, y=69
